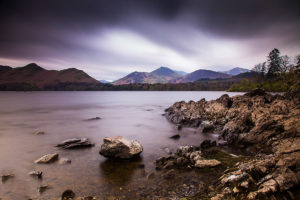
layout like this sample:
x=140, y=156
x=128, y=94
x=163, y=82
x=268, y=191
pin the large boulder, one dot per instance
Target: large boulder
x=120, y=147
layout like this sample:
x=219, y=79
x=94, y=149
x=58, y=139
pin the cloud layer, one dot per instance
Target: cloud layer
x=111, y=38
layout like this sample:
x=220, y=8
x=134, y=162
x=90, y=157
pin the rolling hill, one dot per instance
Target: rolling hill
x=37, y=76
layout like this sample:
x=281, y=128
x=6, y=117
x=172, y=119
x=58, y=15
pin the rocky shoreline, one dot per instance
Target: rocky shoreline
x=266, y=125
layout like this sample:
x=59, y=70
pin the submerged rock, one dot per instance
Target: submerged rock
x=177, y=136
x=37, y=174
x=75, y=143
x=43, y=188
x=94, y=118
x=5, y=177
x=120, y=147
x=49, y=158
x=39, y=133
x=67, y=195
x=207, y=144
x=63, y=161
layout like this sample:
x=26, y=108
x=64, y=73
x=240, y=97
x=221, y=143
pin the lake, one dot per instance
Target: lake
x=63, y=115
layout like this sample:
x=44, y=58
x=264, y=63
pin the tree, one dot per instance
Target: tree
x=297, y=63
x=260, y=68
x=285, y=64
x=274, y=62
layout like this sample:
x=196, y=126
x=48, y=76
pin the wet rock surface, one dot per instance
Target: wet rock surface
x=64, y=161
x=5, y=177
x=266, y=125
x=120, y=148
x=67, y=194
x=186, y=157
x=49, y=158
x=38, y=174
x=75, y=143
x=94, y=118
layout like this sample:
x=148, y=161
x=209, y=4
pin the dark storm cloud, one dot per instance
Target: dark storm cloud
x=44, y=29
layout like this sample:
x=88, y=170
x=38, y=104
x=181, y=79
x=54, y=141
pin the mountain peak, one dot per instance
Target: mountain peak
x=164, y=71
x=236, y=71
x=32, y=67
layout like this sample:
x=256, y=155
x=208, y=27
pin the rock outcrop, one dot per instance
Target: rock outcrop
x=253, y=118
x=120, y=148
x=268, y=125
x=186, y=157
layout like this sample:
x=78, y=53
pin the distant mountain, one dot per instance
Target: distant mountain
x=104, y=81
x=166, y=72
x=37, y=76
x=160, y=75
x=182, y=73
x=236, y=71
x=136, y=77
x=4, y=68
x=200, y=74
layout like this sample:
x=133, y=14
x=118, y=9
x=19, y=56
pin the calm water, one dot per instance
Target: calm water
x=62, y=115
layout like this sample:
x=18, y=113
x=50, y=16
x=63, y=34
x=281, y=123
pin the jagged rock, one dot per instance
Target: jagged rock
x=49, y=158
x=245, y=184
x=257, y=121
x=286, y=180
x=225, y=100
x=37, y=174
x=86, y=198
x=168, y=151
x=170, y=174
x=207, y=126
x=75, y=143
x=179, y=127
x=67, y=195
x=120, y=147
x=207, y=144
x=256, y=92
x=207, y=163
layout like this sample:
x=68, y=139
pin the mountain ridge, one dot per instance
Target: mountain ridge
x=200, y=74
x=40, y=77
x=236, y=71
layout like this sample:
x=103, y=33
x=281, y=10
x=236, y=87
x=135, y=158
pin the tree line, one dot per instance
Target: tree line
x=277, y=74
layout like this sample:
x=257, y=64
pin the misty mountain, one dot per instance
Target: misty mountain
x=236, y=71
x=160, y=75
x=33, y=74
x=200, y=74
x=182, y=73
x=104, y=81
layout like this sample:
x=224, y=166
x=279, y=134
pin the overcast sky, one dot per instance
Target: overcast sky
x=110, y=38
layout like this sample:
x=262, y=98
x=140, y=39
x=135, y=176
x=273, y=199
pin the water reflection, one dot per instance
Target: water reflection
x=61, y=115
x=120, y=172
